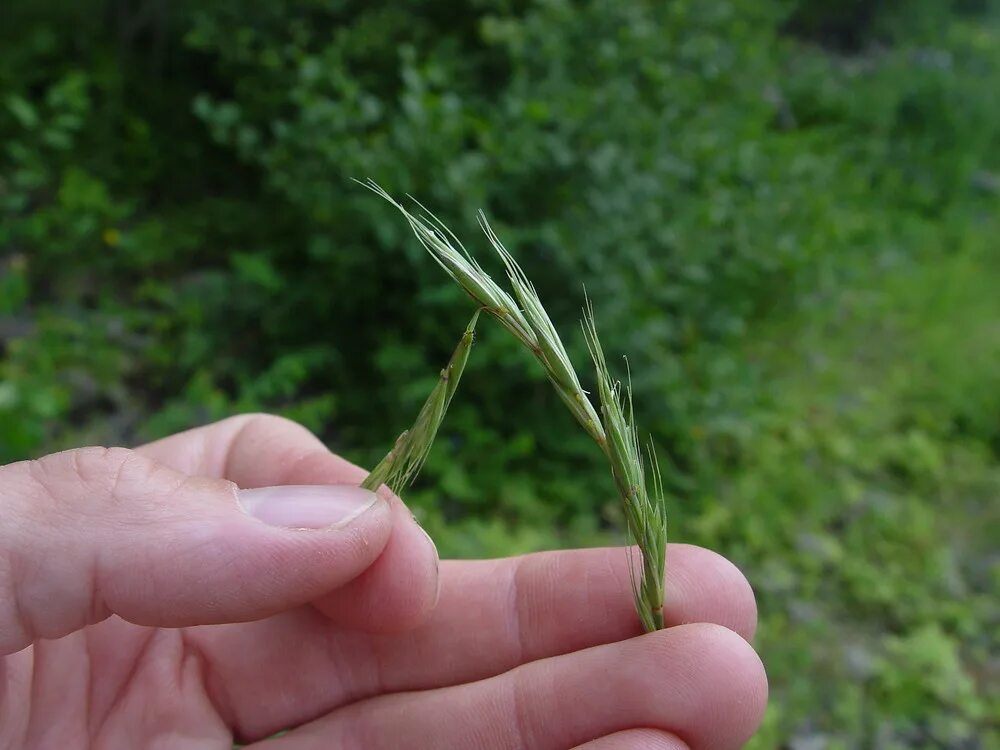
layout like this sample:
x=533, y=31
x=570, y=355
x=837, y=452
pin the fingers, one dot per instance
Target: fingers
x=550, y=603
x=492, y=616
x=398, y=591
x=636, y=739
x=93, y=532
x=702, y=683
x=257, y=450
x=253, y=450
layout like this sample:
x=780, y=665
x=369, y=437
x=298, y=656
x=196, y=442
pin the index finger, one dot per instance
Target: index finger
x=254, y=450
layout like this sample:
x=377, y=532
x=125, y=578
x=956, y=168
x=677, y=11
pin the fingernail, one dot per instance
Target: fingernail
x=307, y=506
x=427, y=537
x=437, y=560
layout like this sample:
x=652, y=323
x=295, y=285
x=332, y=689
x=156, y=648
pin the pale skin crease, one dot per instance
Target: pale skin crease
x=139, y=607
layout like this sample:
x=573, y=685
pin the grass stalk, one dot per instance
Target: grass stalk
x=614, y=430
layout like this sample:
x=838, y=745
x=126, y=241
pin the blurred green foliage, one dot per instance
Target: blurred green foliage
x=785, y=212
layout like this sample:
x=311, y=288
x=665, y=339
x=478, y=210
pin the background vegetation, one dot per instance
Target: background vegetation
x=785, y=212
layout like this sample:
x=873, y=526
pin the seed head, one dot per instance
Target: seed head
x=402, y=464
x=614, y=430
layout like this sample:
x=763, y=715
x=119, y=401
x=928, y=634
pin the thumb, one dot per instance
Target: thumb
x=93, y=532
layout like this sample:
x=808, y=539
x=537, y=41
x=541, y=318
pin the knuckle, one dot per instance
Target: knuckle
x=279, y=437
x=264, y=422
x=85, y=481
x=46, y=563
x=99, y=466
x=90, y=466
x=16, y=628
x=523, y=729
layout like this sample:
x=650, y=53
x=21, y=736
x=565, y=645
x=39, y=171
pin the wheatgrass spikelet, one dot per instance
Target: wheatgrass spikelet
x=404, y=461
x=549, y=349
x=436, y=239
x=645, y=514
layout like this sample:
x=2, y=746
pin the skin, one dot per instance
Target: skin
x=140, y=607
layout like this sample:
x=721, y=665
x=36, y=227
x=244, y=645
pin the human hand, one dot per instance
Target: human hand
x=146, y=602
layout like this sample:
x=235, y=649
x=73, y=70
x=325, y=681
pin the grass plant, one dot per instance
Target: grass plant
x=614, y=430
